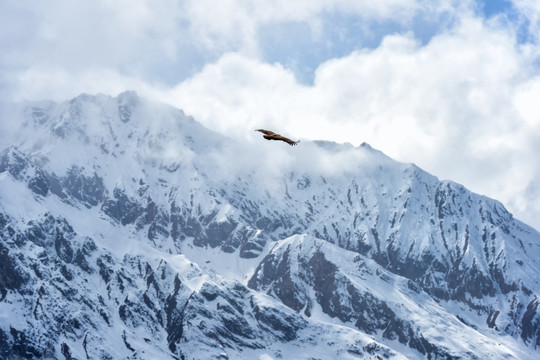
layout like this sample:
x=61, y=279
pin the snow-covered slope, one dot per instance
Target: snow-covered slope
x=128, y=230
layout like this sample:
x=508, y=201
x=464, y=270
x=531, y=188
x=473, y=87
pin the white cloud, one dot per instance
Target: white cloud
x=57, y=84
x=258, y=94
x=233, y=24
x=157, y=40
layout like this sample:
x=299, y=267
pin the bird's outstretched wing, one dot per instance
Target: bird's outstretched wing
x=266, y=132
x=270, y=135
x=283, y=138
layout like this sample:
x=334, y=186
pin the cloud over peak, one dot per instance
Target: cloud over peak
x=449, y=85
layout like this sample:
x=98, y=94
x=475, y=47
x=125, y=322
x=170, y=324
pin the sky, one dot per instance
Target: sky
x=452, y=86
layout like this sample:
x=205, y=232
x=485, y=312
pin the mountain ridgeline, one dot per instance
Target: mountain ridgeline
x=130, y=231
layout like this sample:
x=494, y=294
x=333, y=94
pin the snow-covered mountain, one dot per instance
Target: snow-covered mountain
x=130, y=231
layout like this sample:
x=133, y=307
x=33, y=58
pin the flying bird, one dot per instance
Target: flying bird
x=270, y=135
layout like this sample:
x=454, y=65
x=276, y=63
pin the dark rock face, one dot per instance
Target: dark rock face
x=530, y=323
x=10, y=276
x=338, y=296
x=127, y=102
x=14, y=162
x=74, y=186
x=39, y=183
x=122, y=208
x=277, y=272
x=323, y=276
x=286, y=327
x=89, y=190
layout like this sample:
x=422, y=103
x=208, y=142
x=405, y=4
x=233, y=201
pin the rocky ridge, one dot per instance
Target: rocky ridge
x=128, y=230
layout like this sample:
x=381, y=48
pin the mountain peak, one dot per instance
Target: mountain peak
x=128, y=228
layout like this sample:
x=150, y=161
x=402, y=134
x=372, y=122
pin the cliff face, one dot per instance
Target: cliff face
x=128, y=230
